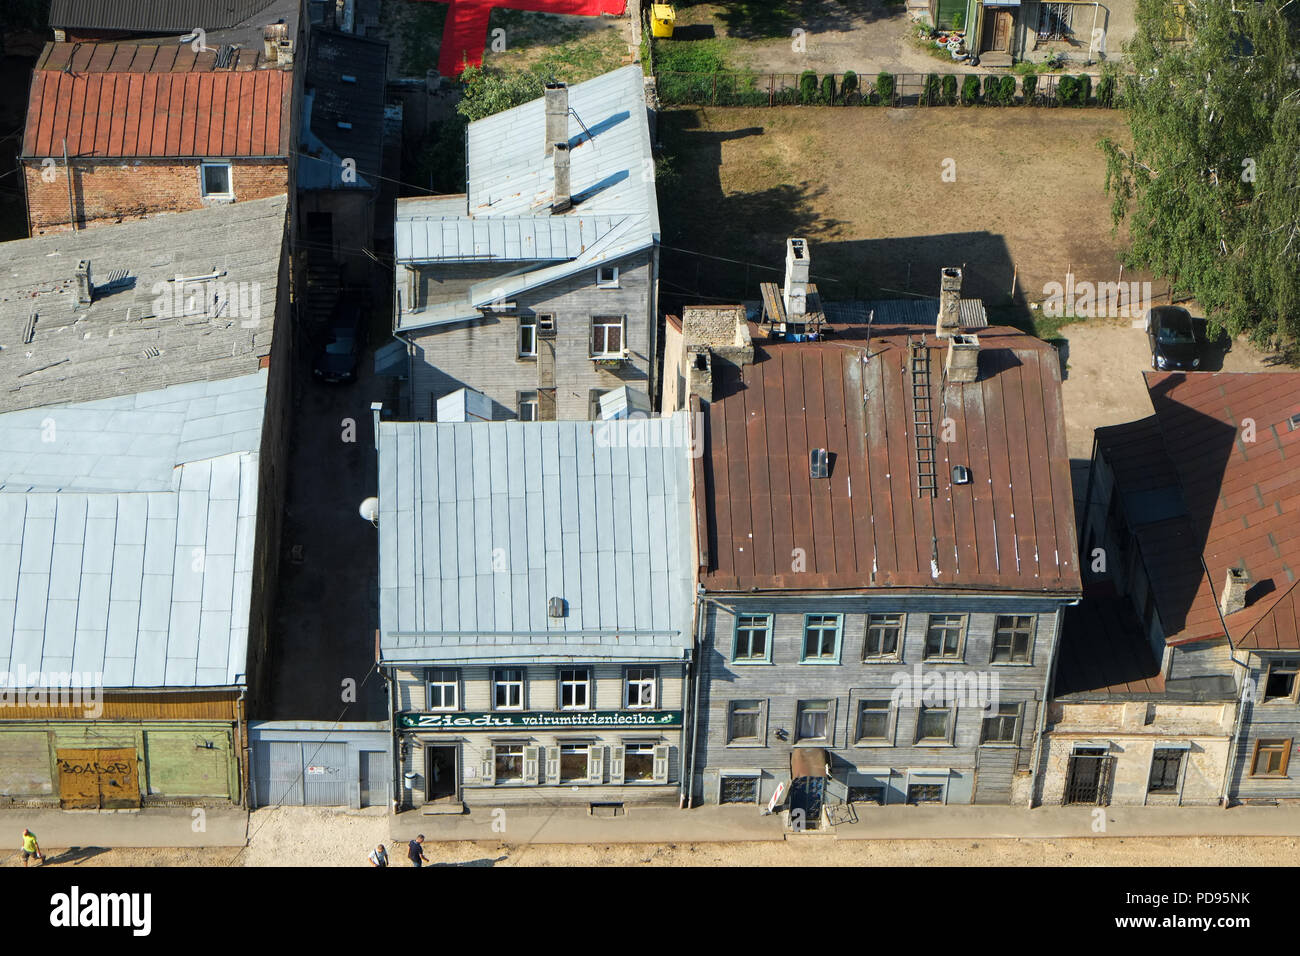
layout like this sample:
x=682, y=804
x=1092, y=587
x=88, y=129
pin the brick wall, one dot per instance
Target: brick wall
x=109, y=192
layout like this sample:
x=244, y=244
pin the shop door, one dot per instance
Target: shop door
x=374, y=778
x=808, y=794
x=1089, y=777
x=440, y=773
x=324, y=779
x=98, y=779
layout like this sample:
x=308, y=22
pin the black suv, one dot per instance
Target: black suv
x=1177, y=340
x=337, y=360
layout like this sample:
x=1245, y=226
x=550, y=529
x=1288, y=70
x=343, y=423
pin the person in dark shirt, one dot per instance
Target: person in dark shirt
x=415, y=852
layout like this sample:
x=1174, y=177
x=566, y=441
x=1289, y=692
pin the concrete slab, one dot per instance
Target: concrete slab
x=158, y=827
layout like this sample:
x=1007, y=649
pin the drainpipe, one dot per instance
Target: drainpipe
x=695, y=708
x=244, y=758
x=1231, y=767
x=1096, y=8
x=395, y=745
x=1047, y=700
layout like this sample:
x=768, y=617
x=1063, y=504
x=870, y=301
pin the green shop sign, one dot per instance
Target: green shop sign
x=544, y=720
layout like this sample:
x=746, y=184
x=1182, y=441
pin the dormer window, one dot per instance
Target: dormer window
x=607, y=277
x=214, y=181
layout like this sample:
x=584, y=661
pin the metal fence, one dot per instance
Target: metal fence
x=895, y=89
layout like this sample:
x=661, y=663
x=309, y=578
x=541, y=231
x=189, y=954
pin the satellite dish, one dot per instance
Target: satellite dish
x=370, y=511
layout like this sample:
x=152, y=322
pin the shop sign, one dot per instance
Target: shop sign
x=543, y=720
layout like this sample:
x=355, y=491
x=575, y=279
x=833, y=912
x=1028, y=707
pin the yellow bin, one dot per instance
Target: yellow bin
x=662, y=19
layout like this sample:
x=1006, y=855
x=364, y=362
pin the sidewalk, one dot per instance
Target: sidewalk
x=713, y=824
x=158, y=827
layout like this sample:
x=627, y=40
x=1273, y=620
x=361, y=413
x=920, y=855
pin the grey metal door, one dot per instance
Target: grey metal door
x=374, y=778
x=285, y=774
x=324, y=776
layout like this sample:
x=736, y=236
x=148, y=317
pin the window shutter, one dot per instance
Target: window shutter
x=596, y=764
x=616, y=763
x=489, y=767
x=530, y=764
x=661, y=763
x=552, y=764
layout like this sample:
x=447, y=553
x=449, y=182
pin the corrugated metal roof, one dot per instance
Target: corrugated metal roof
x=1010, y=528
x=163, y=16
x=134, y=337
x=127, y=557
x=918, y=312
x=137, y=100
x=343, y=111
x=507, y=238
x=482, y=523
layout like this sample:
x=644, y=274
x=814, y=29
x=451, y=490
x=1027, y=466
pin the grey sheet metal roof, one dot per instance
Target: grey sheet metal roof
x=343, y=111
x=163, y=16
x=127, y=533
x=481, y=523
x=510, y=177
x=971, y=313
x=139, y=335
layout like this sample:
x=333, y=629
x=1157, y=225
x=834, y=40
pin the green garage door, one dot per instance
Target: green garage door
x=188, y=763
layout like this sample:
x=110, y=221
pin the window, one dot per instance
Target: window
x=638, y=761
x=943, y=637
x=1002, y=727
x=214, y=180
x=813, y=721
x=1166, y=767
x=641, y=683
x=573, y=762
x=738, y=789
x=443, y=690
x=1012, y=638
x=575, y=689
x=509, y=762
x=744, y=721
x=924, y=793
x=873, y=794
x=528, y=336
x=1271, y=758
x=545, y=324
x=1054, y=21
x=607, y=336
x=933, y=725
x=753, y=637
x=883, y=633
x=529, y=407
x=873, y=722
x=821, y=638
x=508, y=689
x=607, y=277
x=1280, y=682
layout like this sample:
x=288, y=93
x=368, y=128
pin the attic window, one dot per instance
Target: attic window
x=960, y=475
x=214, y=181
x=348, y=79
x=607, y=277
x=1293, y=422
x=819, y=463
x=343, y=125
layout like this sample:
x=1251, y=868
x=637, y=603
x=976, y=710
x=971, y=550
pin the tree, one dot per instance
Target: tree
x=488, y=91
x=1211, y=183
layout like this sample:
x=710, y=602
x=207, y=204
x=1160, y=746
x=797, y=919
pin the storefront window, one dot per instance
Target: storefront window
x=509, y=763
x=573, y=762
x=638, y=761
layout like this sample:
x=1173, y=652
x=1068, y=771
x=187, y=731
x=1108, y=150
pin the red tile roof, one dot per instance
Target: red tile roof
x=1010, y=528
x=138, y=100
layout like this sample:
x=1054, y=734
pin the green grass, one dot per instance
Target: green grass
x=690, y=56
x=421, y=31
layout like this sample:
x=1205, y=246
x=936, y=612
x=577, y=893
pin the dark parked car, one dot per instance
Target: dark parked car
x=337, y=359
x=1176, y=339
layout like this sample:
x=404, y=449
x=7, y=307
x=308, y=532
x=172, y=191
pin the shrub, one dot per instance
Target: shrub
x=931, y=95
x=1106, y=89
x=849, y=85
x=1065, y=87
x=970, y=90
x=807, y=86
x=949, y=90
x=1082, y=89
x=999, y=90
x=885, y=88
x=1029, y=87
x=828, y=89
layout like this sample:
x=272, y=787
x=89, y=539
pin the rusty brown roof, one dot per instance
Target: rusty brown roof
x=127, y=99
x=864, y=527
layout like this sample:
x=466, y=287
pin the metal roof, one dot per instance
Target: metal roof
x=343, y=111
x=126, y=541
x=1010, y=529
x=140, y=334
x=482, y=523
x=919, y=312
x=163, y=16
x=1104, y=652
x=138, y=100
x=506, y=238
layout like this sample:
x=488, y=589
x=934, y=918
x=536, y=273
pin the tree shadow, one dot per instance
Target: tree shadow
x=481, y=862
x=76, y=855
x=768, y=19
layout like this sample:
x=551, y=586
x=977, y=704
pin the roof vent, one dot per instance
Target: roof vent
x=85, y=288
x=555, y=607
x=1235, y=586
x=819, y=463
x=960, y=475
x=1293, y=422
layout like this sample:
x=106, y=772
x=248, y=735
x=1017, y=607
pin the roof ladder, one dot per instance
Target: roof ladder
x=927, y=481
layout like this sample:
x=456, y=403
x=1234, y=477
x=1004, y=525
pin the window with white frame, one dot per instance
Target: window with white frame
x=573, y=761
x=638, y=761
x=884, y=637
x=943, y=637
x=442, y=689
x=1012, y=639
x=508, y=689
x=753, y=638
x=640, y=684
x=607, y=277
x=214, y=181
x=529, y=406
x=528, y=336
x=575, y=688
x=607, y=336
x=812, y=721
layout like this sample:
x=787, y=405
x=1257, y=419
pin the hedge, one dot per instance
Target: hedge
x=827, y=96
x=949, y=90
x=885, y=88
x=1106, y=90
x=999, y=90
x=931, y=95
x=970, y=90
x=807, y=87
x=1029, y=86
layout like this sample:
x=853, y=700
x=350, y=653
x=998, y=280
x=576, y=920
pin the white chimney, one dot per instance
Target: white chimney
x=557, y=115
x=85, y=289
x=798, y=262
x=949, y=302
x=963, y=364
x=1235, y=587
x=563, y=198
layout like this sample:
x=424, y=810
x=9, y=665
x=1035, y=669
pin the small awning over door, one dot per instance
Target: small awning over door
x=808, y=762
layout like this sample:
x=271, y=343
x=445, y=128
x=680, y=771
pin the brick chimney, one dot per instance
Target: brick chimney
x=563, y=198
x=272, y=35
x=963, y=363
x=1235, y=586
x=798, y=262
x=949, y=302
x=557, y=115
x=699, y=371
x=85, y=289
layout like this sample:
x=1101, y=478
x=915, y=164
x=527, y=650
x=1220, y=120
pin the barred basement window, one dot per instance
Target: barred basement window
x=1054, y=21
x=925, y=793
x=874, y=795
x=738, y=790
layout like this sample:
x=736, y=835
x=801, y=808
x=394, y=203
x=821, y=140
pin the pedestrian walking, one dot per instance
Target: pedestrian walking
x=379, y=855
x=415, y=852
x=31, y=848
